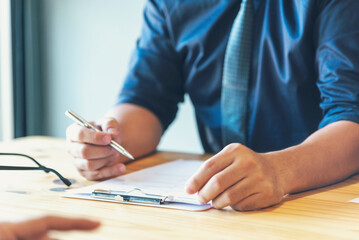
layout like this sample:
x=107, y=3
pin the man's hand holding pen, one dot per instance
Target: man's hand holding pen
x=96, y=150
x=93, y=156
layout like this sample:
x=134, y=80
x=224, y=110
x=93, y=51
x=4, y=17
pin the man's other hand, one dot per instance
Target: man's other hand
x=237, y=177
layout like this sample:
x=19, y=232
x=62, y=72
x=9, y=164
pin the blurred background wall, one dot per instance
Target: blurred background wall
x=85, y=46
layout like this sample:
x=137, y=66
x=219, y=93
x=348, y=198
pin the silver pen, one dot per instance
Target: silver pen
x=84, y=123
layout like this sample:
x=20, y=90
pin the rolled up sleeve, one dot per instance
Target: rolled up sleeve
x=337, y=59
x=154, y=80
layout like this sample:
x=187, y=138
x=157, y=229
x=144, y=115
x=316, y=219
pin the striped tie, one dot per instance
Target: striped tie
x=236, y=76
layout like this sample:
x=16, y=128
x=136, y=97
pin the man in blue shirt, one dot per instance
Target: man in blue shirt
x=303, y=98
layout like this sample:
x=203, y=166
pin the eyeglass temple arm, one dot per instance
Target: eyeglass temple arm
x=21, y=155
x=63, y=179
x=41, y=167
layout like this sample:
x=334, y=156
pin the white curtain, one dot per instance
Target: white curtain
x=6, y=80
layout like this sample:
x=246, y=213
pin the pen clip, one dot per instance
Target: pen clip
x=123, y=196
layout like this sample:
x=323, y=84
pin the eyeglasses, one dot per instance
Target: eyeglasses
x=39, y=167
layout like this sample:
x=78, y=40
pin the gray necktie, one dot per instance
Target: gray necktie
x=235, y=79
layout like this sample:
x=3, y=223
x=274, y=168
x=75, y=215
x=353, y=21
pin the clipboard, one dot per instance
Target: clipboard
x=159, y=186
x=135, y=195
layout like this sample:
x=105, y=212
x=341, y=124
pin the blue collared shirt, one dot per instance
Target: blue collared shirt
x=304, y=71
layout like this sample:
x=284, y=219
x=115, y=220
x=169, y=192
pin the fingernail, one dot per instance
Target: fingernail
x=188, y=188
x=112, y=131
x=95, y=223
x=121, y=168
x=200, y=200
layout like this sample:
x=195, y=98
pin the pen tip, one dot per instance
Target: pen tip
x=129, y=156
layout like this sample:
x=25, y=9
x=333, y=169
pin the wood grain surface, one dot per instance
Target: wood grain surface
x=323, y=213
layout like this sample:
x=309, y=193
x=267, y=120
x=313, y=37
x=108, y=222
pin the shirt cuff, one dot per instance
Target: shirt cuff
x=340, y=114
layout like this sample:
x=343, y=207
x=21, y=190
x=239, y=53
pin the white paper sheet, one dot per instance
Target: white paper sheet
x=355, y=200
x=167, y=179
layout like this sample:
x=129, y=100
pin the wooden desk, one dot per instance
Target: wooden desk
x=319, y=214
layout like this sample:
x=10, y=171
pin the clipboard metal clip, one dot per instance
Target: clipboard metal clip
x=135, y=195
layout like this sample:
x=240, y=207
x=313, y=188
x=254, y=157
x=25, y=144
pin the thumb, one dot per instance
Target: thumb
x=110, y=125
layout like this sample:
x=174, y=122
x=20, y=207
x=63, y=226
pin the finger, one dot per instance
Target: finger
x=207, y=170
x=234, y=194
x=89, y=151
x=109, y=125
x=252, y=202
x=11, y=231
x=7, y=231
x=77, y=133
x=268, y=196
x=96, y=164
x=42, y=225
x=220, y=182
x=64, y=224
x=43, y=237
x=105, y=172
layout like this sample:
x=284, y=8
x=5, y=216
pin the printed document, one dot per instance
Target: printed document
x=166, y=179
